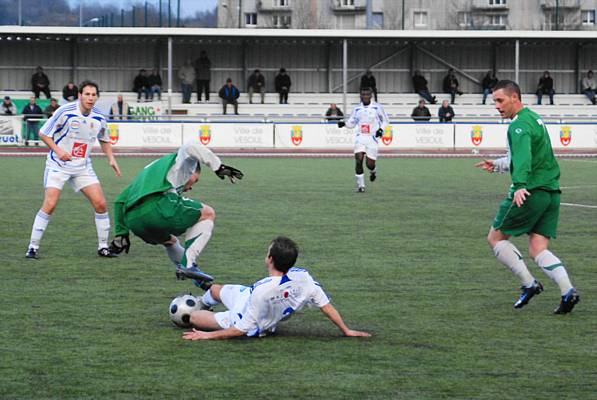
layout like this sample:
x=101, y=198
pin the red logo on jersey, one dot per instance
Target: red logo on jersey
x=387, y=136
x=205, y=134
x=79, y=150
x=296, y=135
x=285, y=295
x=477, y=135
x=366, y=129
x=565, y=135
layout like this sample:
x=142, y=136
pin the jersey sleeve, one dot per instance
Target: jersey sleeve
x=352, y=120
x=199, y=153
x=521, y=156
x=318, y=297
x=384, y=121
x=53, y=124
x=247, y=321
x=103, y=135
x=502, y=164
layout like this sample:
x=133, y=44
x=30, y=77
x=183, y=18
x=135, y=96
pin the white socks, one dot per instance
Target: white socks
x=360, y=180
x=196, y=237
x=553, y=267
x=39, y=226
x=508, y=254
x=102, y=224
x=175, y=252
x=208, y=300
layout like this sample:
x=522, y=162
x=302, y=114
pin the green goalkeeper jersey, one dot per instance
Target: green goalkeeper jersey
x=532, y=162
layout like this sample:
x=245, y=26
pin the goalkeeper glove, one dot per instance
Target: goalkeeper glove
x=230, y=172
x=341, y=124
x=120, y=243
x=379, y=133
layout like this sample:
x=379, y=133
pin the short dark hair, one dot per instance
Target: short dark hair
x=84, y=84
x=509, y=87
x=283, y=252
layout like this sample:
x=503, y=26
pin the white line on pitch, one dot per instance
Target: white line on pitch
x=577, y=187
x=578, y=205
x=577, y=160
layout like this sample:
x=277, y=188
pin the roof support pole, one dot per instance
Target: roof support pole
x=328, y=55
x=516, y=60
x=577, y=66
x=449, y=65
x=344, y=72
x=169, y=77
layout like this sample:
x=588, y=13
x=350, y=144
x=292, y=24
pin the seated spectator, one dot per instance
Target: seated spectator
x=120, y=110
x=451, y=85
x=333, y=113
x=488, y=83
x=368, y=82
x=256, y=84
x=155, y=84
x=420, y=86
x=282, y=84
x=40, y=83
x=7, y=107
x=51, y=108
x=445, y=112
x=186, y=74
x=421, y=112
x=141, y=85
x=32, y=114
x=229, y=94
x=589, y=85
x=70, y=92
x=545, y=87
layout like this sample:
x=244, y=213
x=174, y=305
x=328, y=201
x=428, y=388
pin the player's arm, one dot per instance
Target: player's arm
x=46, y=134
x=202, y=154
x=384, y=121
x=499, y=165
x=334, y=316
x=104, y=140
x=521, y=164
x=221, y=334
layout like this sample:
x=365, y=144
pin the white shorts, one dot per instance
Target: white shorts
x=234, y=298
x=78, y=180
x=366, y=144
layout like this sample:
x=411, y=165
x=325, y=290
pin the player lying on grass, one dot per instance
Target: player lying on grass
x=533, y=203
x=153, y=208
x=256, y=310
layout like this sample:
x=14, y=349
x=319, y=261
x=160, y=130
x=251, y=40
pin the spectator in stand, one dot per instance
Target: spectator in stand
x=545, y=87
x=40, y=83
x=420, y=86
x=333, y=113
x=229, y=94
x=421, y=112
x=451, y=85
x=155, y=84
x=32, y=113
x=282, y=84
x=70, y=92
x=51, y=108
x=256, y=84
x=488, y=83
x=186, y=74
x=445, y=112
x=368, y=82
x=589, y=85
x=203, y=75
x=141, y=85
x=7, y=107
x=120, y=110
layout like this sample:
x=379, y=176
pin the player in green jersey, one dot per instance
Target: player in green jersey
x=153, y=208
x=533, y=203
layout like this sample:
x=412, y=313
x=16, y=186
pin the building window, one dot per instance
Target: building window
x=497, y=20
x=497, y=2
x=251, y=19
x=420, y=18
x=347, y=3
x=464, y=19
x=282, y=21
x=588, y=17
x=282, y=3
x=377, y=20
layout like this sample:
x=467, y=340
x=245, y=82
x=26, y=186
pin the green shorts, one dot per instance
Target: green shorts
x=159, y=216
x=538, y=214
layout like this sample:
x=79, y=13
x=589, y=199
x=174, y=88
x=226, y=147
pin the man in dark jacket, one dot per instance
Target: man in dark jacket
x=421, y=113
x=451, y=85
x=445, y=112
x=70, y=92
x=32, y=113
x=141, y=85
x=229, y=94
x=40, y=83
x=155, y=84
x=488, y=83
x=420, y=86
x=51, y=108
x=203, y=75
x=282, y=84
x=545, y=87
x=256, y=84
x=333, y=113
x=368, y=82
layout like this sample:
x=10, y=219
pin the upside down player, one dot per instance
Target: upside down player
x=256, y=310
x=153, y=208
x=533, y=203
x=371, y=120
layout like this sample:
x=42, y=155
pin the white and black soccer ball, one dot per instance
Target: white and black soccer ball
x=181, y=309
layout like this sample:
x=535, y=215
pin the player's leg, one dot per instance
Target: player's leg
x=174, y=250
x=197, y=235
x=372, y=149
x=359, y=156
x=205, y=320
x=95, y=195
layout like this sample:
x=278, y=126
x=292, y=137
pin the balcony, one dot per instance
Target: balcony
x=348, y=7
x=266, y=6
x=561, y=4
x=488, y=5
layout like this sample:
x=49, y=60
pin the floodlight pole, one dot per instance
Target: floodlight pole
x=20, y=19
x=516, y=60
x=169, y=77
x=80, y=12
x=344, y=72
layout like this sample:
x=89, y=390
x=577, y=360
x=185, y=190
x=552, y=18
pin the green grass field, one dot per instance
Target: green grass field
x=407, y=261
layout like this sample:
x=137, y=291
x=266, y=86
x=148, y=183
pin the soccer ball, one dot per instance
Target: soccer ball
x=181, y=309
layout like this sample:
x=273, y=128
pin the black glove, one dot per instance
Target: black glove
x=379, y=133
x=341, y=124
x=230, y=172
x=120, y=243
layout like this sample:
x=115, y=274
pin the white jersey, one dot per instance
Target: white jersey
x=74, y=133
x=368, y=119
x=275, y=298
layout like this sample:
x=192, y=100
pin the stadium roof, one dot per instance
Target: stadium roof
x=7, y=31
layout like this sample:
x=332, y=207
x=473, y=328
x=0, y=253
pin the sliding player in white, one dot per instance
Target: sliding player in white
x=370, y=120
x=70, y=134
